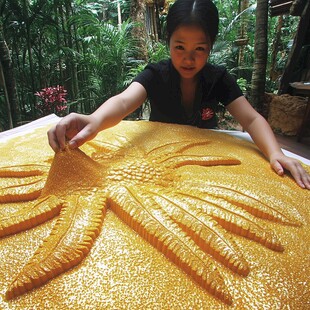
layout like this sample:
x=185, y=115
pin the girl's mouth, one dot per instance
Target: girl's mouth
x=188, y=68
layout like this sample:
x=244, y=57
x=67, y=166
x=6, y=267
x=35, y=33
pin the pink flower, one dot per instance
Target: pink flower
x=52, y=99
x=207, y=113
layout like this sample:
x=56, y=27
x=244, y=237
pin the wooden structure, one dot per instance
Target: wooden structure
x=151, y=19
x=298, y=65
x=279, y=7
x=153, y=7
x=296, y=77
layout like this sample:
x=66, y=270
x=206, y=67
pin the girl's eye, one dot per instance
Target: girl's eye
x=179, y=47
x=200, y=49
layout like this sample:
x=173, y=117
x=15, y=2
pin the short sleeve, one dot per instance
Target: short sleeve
x=227, y=89
x=148, y=78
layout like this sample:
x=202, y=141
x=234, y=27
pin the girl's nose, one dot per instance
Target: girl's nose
x=189, y=56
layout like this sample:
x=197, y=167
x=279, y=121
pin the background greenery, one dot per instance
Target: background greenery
x=78, y=44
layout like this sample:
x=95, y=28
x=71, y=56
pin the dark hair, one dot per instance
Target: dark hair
x=202, y=13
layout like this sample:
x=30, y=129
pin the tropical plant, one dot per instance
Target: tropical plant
x=109, y=51
x=156, y=51
x=79, y=44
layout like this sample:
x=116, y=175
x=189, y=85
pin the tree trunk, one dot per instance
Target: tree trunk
x=9, y=86
x=260, y=56
x=243, y=37
x=137, y=13
x=274, y=73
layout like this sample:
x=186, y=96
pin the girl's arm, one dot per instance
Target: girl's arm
x=78, y=128
x=263, y=136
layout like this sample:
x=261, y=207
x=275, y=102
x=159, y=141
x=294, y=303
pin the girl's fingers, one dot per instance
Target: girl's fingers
x=300, y=175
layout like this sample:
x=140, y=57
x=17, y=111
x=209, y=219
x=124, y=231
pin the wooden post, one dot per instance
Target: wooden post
x=303, y=27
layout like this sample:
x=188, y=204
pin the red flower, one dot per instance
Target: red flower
x=52, y=100
x=207, y=113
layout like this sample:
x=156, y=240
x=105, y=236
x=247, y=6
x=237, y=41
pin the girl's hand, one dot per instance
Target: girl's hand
x=74, y=129
x=279, y=162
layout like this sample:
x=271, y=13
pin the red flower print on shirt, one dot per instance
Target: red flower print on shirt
x=207, y=113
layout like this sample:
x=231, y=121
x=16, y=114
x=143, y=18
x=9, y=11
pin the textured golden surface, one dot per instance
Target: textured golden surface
x=150, y=216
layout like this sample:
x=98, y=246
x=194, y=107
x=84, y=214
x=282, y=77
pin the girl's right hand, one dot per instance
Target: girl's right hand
x=73, y=130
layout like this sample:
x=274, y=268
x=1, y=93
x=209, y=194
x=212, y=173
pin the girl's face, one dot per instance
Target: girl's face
x=189, y=50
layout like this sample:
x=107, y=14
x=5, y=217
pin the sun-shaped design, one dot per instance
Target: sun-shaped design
x=192, y=228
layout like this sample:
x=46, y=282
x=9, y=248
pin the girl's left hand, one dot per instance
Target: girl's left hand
x=279, y=162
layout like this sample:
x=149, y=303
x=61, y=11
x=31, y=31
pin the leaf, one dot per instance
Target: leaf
x=70, y=241
x=30, y=179
x=251, y=204
x=179, y=160
x=203, y=229
x=145, y=216
x=26, y=191
x=33, y=214
x=233, y=218
x=23, y=170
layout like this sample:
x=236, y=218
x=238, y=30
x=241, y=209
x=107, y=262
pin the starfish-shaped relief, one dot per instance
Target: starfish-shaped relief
x=191, y=228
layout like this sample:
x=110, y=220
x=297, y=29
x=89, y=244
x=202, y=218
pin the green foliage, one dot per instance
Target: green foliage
x=109, y=53
x=243, y=84
x=78, y=44
x=156, y=51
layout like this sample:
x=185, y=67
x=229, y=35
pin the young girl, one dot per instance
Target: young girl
x=184, y=90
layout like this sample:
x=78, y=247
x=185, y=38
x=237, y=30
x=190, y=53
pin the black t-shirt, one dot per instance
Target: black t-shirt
x=162, y=84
